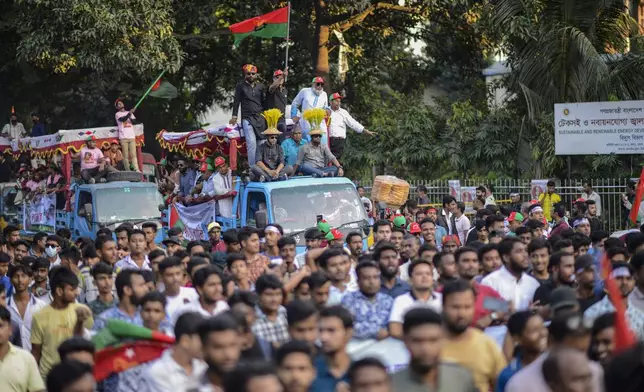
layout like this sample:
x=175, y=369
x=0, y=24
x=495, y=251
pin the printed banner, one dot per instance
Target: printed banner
x=455, y=189
x=40, y=214
x=537, y=187
x=599, y=128
x=468, y=194
x=194, y=220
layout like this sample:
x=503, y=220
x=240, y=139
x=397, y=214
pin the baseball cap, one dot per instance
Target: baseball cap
x=335, y=96
x=219, y=161
x=213, y=225
x=279, y=72
x=563, y=297
x=334, y=234
x=318, y=79
x=172, y=240
x=515, y=216
x=91, y=138
x=414, y=228
x=400, y=221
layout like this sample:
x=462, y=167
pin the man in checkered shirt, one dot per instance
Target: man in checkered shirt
x=271, y=324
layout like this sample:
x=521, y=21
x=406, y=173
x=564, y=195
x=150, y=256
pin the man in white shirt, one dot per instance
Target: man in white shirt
x=590, y=194
x=340, y=120
x=224, y=189
x=208, y=283
x=462, y=222
x=172, y=274
x=307, y=98
x=14, y=130
x=137, y=259
x=93, y=165
x=23, y=304
x=180, y=368
x=126, y=135
x=511, y=280
x=421, y=274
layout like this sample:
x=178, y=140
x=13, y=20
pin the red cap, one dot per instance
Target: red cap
x=514, y=216
x=414, y=228
x=318, y=79
x=91, y=138
x=219, y=161
x=279, y=72
x=432, y=209
x=335, y=96
x=534, y=202
x=336, y=234
x=580, y=200
x=114, y=141
x=117, y=101
x=203, y=167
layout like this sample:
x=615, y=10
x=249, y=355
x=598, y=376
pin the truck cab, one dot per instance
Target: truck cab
x=295, y=204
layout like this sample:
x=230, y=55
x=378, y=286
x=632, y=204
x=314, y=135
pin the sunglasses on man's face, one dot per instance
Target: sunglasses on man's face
x=251, y=73
x=316, y=137
x=319, y=84
x=272, y=137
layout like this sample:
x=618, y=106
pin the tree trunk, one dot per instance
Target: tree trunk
x=322, y=63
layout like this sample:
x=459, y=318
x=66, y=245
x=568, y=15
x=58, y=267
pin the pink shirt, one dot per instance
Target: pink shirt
x=90, y=157
x=126, y=130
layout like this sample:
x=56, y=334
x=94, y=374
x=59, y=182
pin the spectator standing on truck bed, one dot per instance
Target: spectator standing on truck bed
x=126, y=135
x=93, y=165
x=308, y=98
x=251, y=96
x=340, y=120
x=276, y=96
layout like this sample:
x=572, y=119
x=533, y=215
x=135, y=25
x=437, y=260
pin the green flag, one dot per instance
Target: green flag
x=163, y=89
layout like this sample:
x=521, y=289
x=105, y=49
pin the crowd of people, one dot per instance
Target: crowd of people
x=508, y=303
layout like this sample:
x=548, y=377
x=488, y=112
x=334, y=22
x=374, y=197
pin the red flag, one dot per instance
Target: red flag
x=638, y=199
x=126, y=356
x=624, y=337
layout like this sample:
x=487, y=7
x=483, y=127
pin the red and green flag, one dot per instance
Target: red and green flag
x=271, y=25
x=639, y=193
x=121, y=346
x=163, y=89
x=174, y=220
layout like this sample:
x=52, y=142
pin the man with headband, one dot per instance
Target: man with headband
x=251, y=95
x=308, y=98
x=515, y=198
x=582, y=225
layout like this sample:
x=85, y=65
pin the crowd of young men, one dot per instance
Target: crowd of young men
x=501, y=306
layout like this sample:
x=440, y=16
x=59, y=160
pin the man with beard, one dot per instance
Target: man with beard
x=467, y=346
x=180, y=367
x=397, y=236
x=207, y=282
x=308, y=98
x=562, y=268
x=445, y=263
x=187, y=177
x=586, y=281
x=410, y=247
x=14, y=130
x=421, y=295
x=490, y=260
x=539, y=252
x=221, y=345
x=467, y=264
x=314, y=159
x=438, y=232
x=511, y=280
x=336, y=330
x=592, y=216
x=270, y=164
x=40, y=288
x=424, y=337
x=23, y=304
x=369, y=306
x=295, y=366
x=623, y=275
x=335, y=263
x=354, y=244
x=130, y=288
x=386, y=255
x=107, y=250
x=313, y=238
x=251, y=96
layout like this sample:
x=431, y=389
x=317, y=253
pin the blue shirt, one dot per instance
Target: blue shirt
x=325, y=381
x=6, y=282
x=369, y=316
x=290, y=150
x=117, y=314
x=187, y=182
x=38, y=130
x=400, y=287
x=507, y=373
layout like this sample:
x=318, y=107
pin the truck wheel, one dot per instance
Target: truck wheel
x=124, y=176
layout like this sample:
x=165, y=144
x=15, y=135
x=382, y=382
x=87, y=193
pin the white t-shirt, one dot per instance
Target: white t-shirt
x=404, y=303
x=520, y=292
x=195, y=306
x=186, y=295
x=89, y=157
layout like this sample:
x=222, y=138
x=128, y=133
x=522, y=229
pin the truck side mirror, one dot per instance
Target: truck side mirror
x=261, y=219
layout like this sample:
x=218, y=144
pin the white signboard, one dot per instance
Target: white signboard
x=599, y=128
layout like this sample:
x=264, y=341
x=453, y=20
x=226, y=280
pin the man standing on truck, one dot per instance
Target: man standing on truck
x=276, y=96
x=340, y=120
x=126, y=135
x=251, y=96
x=93, y=165
x=224, y=189
x=308, y=98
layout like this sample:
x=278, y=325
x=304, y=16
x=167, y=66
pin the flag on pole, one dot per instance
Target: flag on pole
x=271, y=25
x=639, y=193
x=624, y=337
x=163, y=89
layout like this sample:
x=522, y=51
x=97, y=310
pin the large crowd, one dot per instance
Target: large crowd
x=511, y=302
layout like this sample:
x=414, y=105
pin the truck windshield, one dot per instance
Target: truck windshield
x=123, y=204
x=296, y=209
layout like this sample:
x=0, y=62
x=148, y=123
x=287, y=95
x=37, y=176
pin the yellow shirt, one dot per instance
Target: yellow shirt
x=49, y=328
x=547, y=202
x=480, y=355
x=19, y=372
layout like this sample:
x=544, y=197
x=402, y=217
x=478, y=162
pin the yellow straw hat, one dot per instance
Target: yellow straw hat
x=272, y=116
x=315, y=116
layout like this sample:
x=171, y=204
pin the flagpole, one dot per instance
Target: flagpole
x=288, y=35
x=149, y=89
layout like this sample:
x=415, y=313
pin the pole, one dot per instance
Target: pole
x=288, y=36
x=149, y=89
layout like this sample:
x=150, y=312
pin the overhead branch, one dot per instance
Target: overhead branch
x=359, y=18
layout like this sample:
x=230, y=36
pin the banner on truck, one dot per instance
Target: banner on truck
x=193, y=220
x=599, y=128
x=40, y=214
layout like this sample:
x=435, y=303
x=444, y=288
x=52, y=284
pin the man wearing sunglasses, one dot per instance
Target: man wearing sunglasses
x=270, y=164
x=308, y=98
x=276, y=97
x=251, y=95
x=313, y=158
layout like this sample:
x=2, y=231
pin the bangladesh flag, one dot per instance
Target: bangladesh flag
x=163, y=89
x=271, y=25
x=174, y=220
x=121, y=346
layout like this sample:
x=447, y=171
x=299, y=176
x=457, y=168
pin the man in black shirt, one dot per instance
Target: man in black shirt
x=251, y=96
x=5, y=169
x=270, y=164
x=276, y=97
x=562, y=271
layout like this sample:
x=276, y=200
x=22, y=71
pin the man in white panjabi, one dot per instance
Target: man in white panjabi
x=308, y=98
x=224, y=188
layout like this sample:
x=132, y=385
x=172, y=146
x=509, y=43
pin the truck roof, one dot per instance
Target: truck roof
x=301, y=181
x=118, y=184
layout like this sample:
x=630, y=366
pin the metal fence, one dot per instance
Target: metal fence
x=609, y=189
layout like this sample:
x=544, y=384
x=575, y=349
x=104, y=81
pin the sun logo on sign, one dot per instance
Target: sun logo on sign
x=566, y=112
